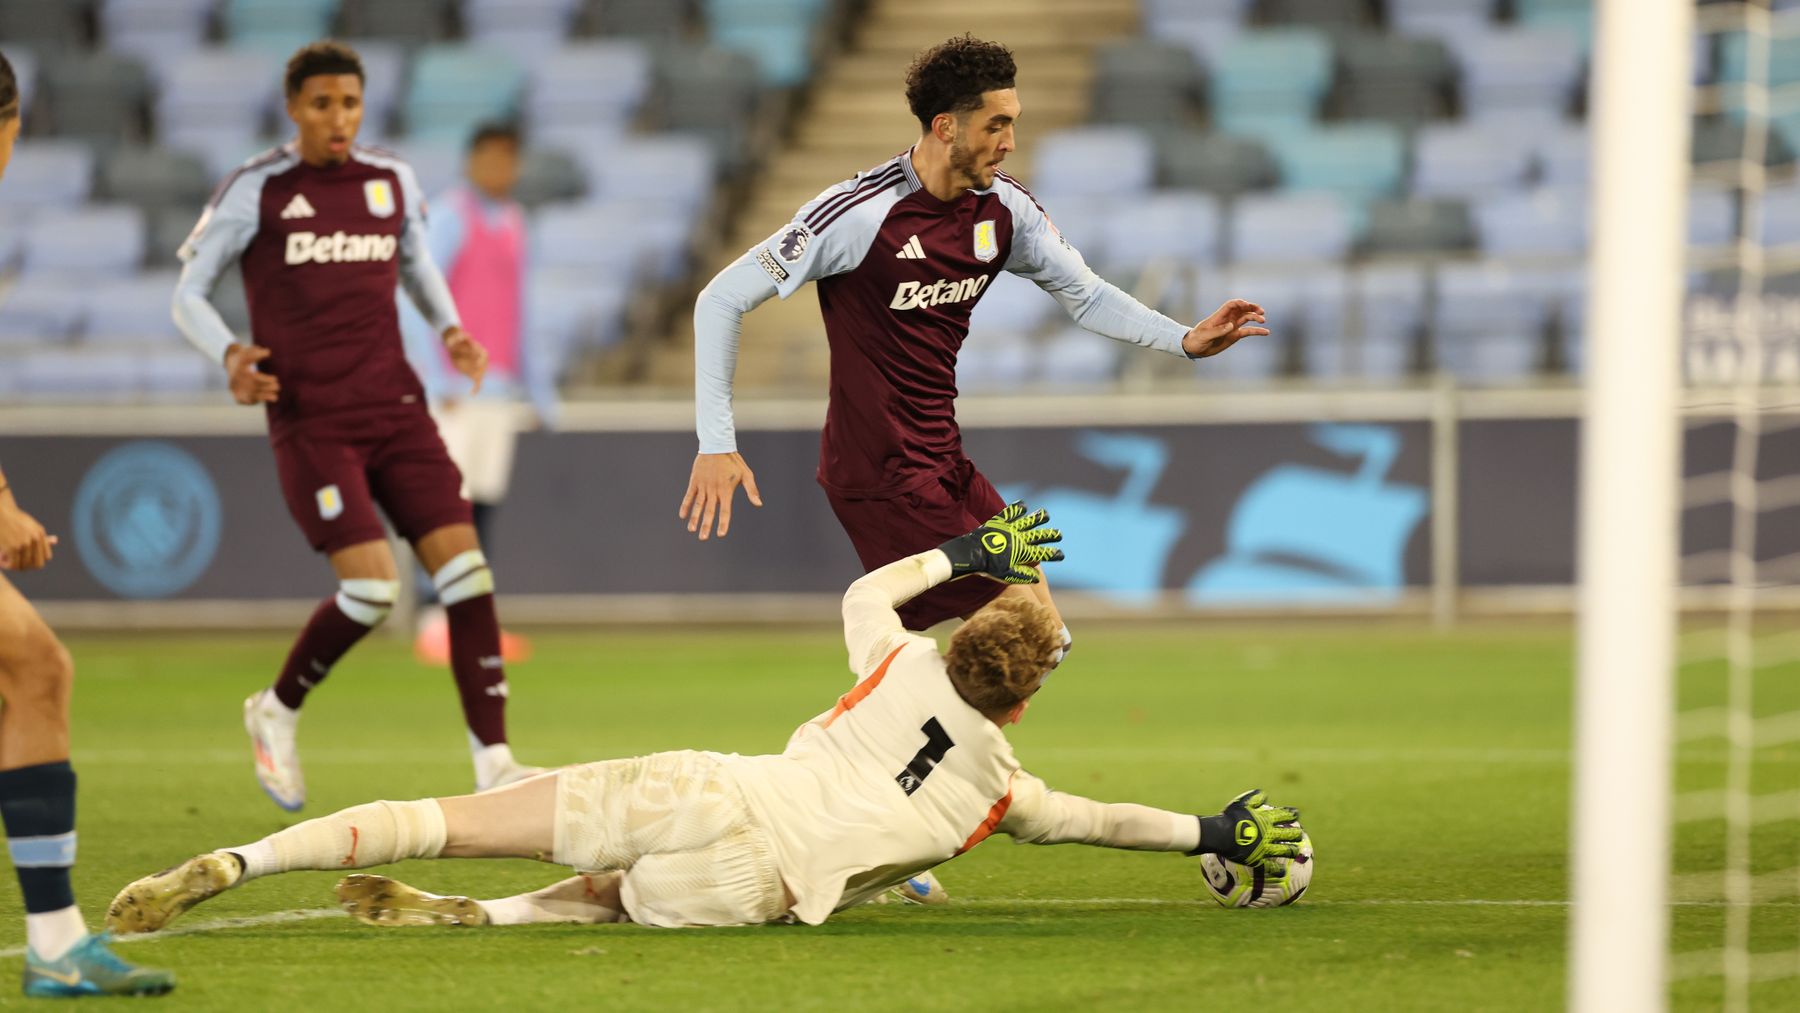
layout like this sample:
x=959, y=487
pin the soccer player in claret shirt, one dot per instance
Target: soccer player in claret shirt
x=324, y=229
x=909, y=769
x=37, y=785
x=901, y=253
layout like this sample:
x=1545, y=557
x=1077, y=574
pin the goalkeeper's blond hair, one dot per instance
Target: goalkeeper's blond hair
x=1000, y=655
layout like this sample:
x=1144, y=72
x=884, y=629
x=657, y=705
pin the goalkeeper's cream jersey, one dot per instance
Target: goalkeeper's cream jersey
x=902, y=774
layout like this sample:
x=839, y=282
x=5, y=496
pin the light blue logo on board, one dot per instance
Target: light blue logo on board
x=1304, y=533
x=146, y=519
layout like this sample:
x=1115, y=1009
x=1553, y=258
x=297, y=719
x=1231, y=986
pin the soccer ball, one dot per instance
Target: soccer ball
x=1274, y=883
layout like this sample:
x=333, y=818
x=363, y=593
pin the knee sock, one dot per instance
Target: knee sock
x=466, y=587
x=335, y=627
x=37, y=804
x=373, y=834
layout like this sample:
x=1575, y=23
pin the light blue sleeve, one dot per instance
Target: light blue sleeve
x=444, y=231
x=542, y=358
x=225, y=228
x=1042, y=255
x=718, y=319
x=419, y=274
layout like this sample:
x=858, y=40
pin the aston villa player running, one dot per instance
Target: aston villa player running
x=901, y=254
x=324, y=228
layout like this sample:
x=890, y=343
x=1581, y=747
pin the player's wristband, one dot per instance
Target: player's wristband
x=1215, y=835
x=965, y=554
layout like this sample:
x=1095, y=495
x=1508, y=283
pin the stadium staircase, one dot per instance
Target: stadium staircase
x=855, y=116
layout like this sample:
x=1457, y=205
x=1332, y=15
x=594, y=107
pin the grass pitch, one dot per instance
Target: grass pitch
x=1432, y=771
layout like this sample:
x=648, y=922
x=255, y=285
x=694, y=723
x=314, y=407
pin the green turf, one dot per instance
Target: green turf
x=1432, y=771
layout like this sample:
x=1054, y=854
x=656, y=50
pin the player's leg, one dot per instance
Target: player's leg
x=481, y=438
x=37, y=805
x=514, y=822
x=585, y=899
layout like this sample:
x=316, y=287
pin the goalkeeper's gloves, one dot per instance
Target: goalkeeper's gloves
x=1006, y=548
x=1249, y=831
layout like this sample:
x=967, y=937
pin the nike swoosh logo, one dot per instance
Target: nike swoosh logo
x=71, y=979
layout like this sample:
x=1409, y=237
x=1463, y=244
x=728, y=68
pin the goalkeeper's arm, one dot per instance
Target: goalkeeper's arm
x=1039, y=815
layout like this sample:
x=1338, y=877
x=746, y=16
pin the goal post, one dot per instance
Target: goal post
x=1629, y=512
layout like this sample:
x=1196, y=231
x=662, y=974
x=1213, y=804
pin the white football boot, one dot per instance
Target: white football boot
x=495, y=766
x=923, y=888
x=156, y=900
x=378, y=900
x=271, y=727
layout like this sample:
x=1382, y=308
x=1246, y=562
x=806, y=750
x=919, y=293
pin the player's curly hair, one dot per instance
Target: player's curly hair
x=9, y=91
x=1000, y=655
x=326, y=56
x=951, y=77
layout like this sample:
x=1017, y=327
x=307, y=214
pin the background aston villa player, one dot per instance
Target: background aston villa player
x=324, y=229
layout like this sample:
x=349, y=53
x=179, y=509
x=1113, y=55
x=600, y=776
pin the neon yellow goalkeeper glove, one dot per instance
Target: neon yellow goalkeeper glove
x=1006, y=548
x=1249, y=830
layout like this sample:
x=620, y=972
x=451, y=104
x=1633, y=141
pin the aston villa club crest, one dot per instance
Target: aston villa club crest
x=380, y=195
x=987, y=244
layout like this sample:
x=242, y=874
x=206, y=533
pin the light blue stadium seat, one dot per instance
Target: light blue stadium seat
x=1519, y=73
x=456, y=87
x=1385, y=321
x=1561, y=293
x=48, y=174
x=96, y=241
x=24, y=65
x=1011, y=305
x=43, y=312
x=220, y=149
x=997, y=362
x=1572, y=17
x=1781, y=215
x=1082, y=221
x=1306, y=227
x=219, y=90
x=529, y=30
x=783, y=52
x=1541, y=222
x=437, y=164
x=1094, y=161
x=278, y=26
x=78, y=375
x=1712, y=216
x=630, y=241
x=1466, y=160
x=671, y=168
x=1270, y=80
x=384, y=83
x=1486, y=327
x=1361, y=161
x=176, y=375
x=1161, y=15
x=134, y=311
x=1182, y=226
x=1442, y=18
x=1306, y=308
x=1563, y=156
x=1079, y=358
x=579, y=85
x=574, y=311
x=159, y=32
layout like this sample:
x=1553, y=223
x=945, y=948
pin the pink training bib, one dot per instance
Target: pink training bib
x=486, y=280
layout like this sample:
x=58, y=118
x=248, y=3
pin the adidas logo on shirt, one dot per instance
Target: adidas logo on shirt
x=913, y=250
x=299, y=207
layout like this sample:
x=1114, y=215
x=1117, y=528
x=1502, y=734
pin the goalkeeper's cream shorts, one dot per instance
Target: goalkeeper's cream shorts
x=677, y=825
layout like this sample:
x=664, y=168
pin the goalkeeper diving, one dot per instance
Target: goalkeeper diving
x=906, y=771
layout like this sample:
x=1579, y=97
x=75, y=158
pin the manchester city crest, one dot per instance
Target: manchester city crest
x=147, y=519
x=380, y=195
x=987, y=242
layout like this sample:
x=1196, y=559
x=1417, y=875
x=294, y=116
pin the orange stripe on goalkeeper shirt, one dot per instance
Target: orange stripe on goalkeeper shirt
x=863, y=688
x=992, y=823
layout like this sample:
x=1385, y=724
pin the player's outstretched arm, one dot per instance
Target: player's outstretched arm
x=1248, y=830
x=1236, y=320
x=718, y=468
x=24, y=545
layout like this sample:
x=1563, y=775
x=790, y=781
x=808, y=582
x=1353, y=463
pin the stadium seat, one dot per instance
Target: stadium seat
x=1307, y=227
x=384, y=82
x=134, y=311
x=606, y=81
x=675, y=169
x=97, y=241
x=1418, y=227
x=1781, y=215
x=1541, y=222
x=1336, y=16
x=1144, y=83
x=998, y=362
x=711, y=92
x=1223, y=165
x=1163, y=226
x=651, y=20
x=43, y=24
x=1076, y=357
x=1562, y=156
x=109, y=375
x=1082, y=221
x=169, y=228
x=1441, y=18
x=1575, y=18
x=1160, y=15
x=1270, y=80
x=1384, y=325
x=400, y=20
x=547, y=175
x=1361, y=161
x=1519, y=73
x=782, y=51
x=160, y=33
x=630, y=241
x=1011, y=305
x=1306, y=306
x=218, y=90
x=221, y=149
x=25, y=72
x=1485, y=326
x=101, y=98
x=574, y=310
x=528, y=30
x=46, y=311
x=1094, y=161
x=1719, y=140
x=1395, y=78
x=153, y=178
x=455, y=87
x=48, y=174
x=1712, y=216
x=1468, y=159
x=278, y=26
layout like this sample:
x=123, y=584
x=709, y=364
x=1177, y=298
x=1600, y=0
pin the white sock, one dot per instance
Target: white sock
x=490, y=762
x=52, y=933
x=355, y=838
x=271, y=706
x=536, y=908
